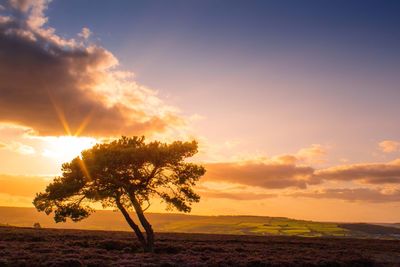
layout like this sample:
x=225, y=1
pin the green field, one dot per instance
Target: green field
x=251, y=225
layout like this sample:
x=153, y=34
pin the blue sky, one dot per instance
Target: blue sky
x=324, y=67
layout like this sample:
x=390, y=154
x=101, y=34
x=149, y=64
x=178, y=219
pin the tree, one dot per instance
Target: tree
x=125, y=174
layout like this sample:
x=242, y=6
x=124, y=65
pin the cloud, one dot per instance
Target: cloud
x=59, y=86
x=85, y=33
x=31, y=11
x=284, y=171
x=262, y=174
x=316, y=153
x=24, y=186
x=227, y=191
x=389, y=146
x=18, y=148
x=22, y=148
x=370, y=173
x=234, y=195
x=353, y=194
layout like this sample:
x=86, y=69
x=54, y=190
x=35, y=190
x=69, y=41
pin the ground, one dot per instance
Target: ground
x=55, y=247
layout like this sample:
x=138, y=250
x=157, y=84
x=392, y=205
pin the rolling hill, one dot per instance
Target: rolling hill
x=175, y=223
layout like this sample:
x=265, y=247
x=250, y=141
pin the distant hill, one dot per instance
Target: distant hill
x=371, y=229
x=239, y=225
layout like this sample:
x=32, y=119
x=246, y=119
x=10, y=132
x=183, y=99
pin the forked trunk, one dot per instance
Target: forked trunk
x=148, y=241
x=145, y=223
x=134, y=227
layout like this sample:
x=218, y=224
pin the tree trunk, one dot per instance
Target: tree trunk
x=145, y=223
x=133, y=225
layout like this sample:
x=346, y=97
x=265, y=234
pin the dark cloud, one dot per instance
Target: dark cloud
x=55, y=86
x=266, y=175
x=356, y=194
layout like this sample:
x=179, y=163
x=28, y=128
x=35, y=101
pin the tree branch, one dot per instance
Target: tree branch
x=148, y=205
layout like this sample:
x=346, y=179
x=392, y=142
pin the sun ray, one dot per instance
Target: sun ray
x=84, y=169
x=60, y=114
x=84, y=123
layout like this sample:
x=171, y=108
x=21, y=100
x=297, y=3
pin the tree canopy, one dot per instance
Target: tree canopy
x=125, y=174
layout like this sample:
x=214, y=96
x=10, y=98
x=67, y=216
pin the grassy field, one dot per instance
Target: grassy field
x=180, y=223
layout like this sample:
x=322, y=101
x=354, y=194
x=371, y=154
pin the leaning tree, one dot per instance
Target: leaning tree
x=125, y=174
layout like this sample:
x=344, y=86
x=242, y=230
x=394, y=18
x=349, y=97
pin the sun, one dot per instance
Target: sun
x=65, y=148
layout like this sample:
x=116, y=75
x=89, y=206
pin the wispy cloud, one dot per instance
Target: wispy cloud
x=85, y=33
x=18, y=148
x=313, y=154
x=229, y=191
x=353, y=194
x=241, y=195
x=389, y=146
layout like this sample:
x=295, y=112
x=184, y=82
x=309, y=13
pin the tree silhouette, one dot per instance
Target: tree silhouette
x=124, y=174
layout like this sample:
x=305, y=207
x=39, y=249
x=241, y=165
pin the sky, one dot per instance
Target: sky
x=294, y=103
